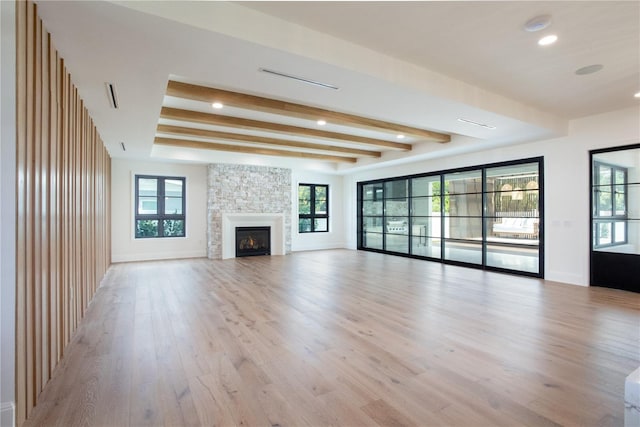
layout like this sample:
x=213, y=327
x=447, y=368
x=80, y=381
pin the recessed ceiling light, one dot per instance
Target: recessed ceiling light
x=636, y=95
x=471, y=122
x=217, y=105
x=538, y=23
x=547, y=40
x=400, y=136
x=321, y=122
x=589, y=69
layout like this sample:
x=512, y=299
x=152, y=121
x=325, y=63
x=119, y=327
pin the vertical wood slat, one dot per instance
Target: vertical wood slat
x=63, y=201
x=21, y=191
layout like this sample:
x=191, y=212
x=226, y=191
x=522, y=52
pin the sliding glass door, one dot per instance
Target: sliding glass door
x=487, y=216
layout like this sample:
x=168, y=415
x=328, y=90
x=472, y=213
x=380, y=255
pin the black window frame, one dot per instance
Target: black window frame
x=612, y=219
x=444, y=193
x=160, y=216
x=312, y=215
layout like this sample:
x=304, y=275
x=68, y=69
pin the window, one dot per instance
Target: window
x=313, y=208
x=610, y=205
x=488, y=216
x=160, y=206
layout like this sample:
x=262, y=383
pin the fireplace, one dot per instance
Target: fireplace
x=252, y=241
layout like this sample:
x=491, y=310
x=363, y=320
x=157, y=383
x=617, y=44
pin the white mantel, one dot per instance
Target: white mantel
x=232, y=220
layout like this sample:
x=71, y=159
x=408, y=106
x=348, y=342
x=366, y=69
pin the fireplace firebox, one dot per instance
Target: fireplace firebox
x=251, y=241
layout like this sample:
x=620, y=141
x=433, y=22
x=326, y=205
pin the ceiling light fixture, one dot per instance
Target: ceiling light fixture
x=217, y=105
x=636, y=95
x=471, y=122
x=589, y=69
x=400, y=136
x=300, y=79
x=321, y=122
x=537, y=23
x=547, y=40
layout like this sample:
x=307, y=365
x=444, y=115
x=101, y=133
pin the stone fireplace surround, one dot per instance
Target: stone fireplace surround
x=247, y=196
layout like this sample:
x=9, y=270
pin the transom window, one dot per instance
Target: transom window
x=160, y=206
x=313, y=208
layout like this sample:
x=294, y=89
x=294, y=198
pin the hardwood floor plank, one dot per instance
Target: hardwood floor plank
x=342, y=338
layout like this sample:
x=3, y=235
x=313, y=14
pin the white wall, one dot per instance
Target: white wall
x=124, y=247
x=7, y=212
x=566, y=164
x=335, y=237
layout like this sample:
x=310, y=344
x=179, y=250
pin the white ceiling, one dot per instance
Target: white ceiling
x=424, y=64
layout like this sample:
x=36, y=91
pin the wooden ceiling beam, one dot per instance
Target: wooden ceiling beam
x=240, y=123
x=203, y=133
x=252, y=102
x=201, y=145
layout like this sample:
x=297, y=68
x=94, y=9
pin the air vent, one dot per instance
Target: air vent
x=111, y=95
x=300, y=79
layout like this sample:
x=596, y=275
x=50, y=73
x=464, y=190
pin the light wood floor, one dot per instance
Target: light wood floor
x=342, y=338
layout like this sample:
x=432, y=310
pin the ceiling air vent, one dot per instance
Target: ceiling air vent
x=300, y=79
x=111, y=95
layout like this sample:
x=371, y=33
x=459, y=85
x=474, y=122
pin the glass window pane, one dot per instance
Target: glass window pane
x=604, y=201
x=397, y=225
x=425, y=206
x=425, y=246
x=604, y=175
x=173, y=227
x=603, y=233
x=147, y=228
x=321, y=193
x=304, y=225
x=463, y=251
x=372, y=240
x=620, y=177
x=321, y=207
x=465, y=204
x=173, y=187
x=373, y=224
x=463, y=182
x=321, y=224
x=425, y=226
x=370, y=207
x=396, y=207
x=620, y=200
x=464, y=228
x=147, y=187
x=173, y=206
x=620, y=232
x=427, y=186
x=396, y=189
x=147, y=205
x=520, y=258
x=513, y=229
x=372, y=192
x=397, y=243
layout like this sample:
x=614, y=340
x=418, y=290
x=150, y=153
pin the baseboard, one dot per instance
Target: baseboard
x=571, y=279
x=157, y=256
x=7, y=414
x=302, y=248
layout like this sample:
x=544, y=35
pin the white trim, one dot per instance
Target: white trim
x=232, y=220
x=150, y=256
x=7, y=414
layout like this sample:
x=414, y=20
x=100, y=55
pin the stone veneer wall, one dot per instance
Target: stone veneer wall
x=245, y=189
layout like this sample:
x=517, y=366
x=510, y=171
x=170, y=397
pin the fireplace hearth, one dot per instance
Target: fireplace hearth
x=252, y=241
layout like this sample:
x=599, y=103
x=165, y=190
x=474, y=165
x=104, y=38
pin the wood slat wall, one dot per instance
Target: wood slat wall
x=63, y=196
